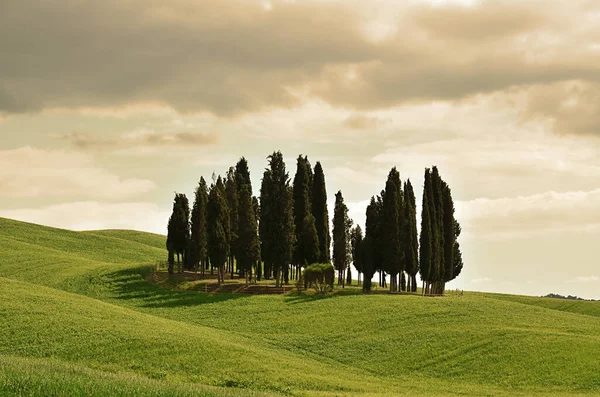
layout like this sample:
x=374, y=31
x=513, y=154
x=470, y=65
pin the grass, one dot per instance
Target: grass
x=78, y=318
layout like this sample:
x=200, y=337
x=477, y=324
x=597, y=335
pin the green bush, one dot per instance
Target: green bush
x=320, y=276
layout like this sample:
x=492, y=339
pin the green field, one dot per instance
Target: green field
x=78, y=318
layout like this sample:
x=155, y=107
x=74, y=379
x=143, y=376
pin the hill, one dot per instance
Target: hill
x=77, y=315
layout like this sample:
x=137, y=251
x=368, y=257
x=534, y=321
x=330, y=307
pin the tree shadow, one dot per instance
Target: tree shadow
x=130, y=285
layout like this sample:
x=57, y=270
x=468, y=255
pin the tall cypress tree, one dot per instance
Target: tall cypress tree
x=306, y=252
x=277, y=231
x=219, y=232
x=319, y=211
x=452, y=256
x=199, y=233
x=372, y=242
x=426, y=237
x=258, y=265
x=341, y=237
x=392, y=228
x=178, y=236
x=232, y=204
x=411, y=240
x=438, y=231
x=248, y=244
x=356, y=242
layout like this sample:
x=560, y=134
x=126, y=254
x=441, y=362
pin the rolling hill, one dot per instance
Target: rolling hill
x=77, y=317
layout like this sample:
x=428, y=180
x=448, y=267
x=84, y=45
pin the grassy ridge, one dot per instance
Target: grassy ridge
x=115, y=331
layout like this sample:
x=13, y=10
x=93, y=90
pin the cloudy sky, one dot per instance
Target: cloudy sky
x=107, y=108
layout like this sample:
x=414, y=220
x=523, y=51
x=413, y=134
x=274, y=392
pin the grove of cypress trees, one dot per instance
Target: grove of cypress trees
x=276, y=221
x=199, y=232
x=219, y=233
x=452, y=256
x=319, y=211
x=341, y=237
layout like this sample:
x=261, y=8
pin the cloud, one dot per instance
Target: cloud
x=31, y=172
x=515, y=217
x=584, y=279
x=363, y=122
x=140, y=139
x=242, y=57
x=94, y=215
x=571, y=107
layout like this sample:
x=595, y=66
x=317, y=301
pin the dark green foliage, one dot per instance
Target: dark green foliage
x=439, y=230
x=276, y=221
x=256, y=207
x=171, y=261
x=425, y=243
x=319, y=211
x=232, y=204
x=356, y=243
x=372, y=253
x=219, y=232
x=341, y=237
x=411, y=240
x=178, y=229
x=320, y=276
x=248, y=244
x=242, y=174
x=438, y=226
x=199, y=232
x=309, y=240
x=392, y=227
x=307, y=249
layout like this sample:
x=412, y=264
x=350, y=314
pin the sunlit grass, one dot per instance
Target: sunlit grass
x=77, y=316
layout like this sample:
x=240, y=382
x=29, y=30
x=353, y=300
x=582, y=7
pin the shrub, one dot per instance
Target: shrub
x=320, y=276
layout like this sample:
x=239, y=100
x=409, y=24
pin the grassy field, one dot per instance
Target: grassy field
x=78, y=318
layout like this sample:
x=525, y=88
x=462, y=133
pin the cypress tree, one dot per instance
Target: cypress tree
x=178, y=230
x=341, y=237
x=319, y=211
x=371, y=242
x=438, y=232
x=248, y=244
x=219, y=232
x=258, y=265
x=232, y=204
x=306, y=252
x=452, y=256
x=392, y=228
x=277, y=231
x=426, y=238
x=242, y=174
x=411, y=242
x=199, y=233
x=356, y=242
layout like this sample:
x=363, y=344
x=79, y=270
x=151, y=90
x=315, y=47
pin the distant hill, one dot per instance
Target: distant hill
x=570, y=297
x=78, y=318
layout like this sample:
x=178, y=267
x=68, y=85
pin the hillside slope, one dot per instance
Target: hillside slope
x=76, y=308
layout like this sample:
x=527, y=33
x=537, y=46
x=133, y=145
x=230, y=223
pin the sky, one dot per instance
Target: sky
x=108, y=108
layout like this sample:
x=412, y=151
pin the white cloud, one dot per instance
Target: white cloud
x=31, y=172
x=524, y=215
x=93, y=215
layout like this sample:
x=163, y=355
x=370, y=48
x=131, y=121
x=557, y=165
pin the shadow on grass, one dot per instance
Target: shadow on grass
x=129, y=284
